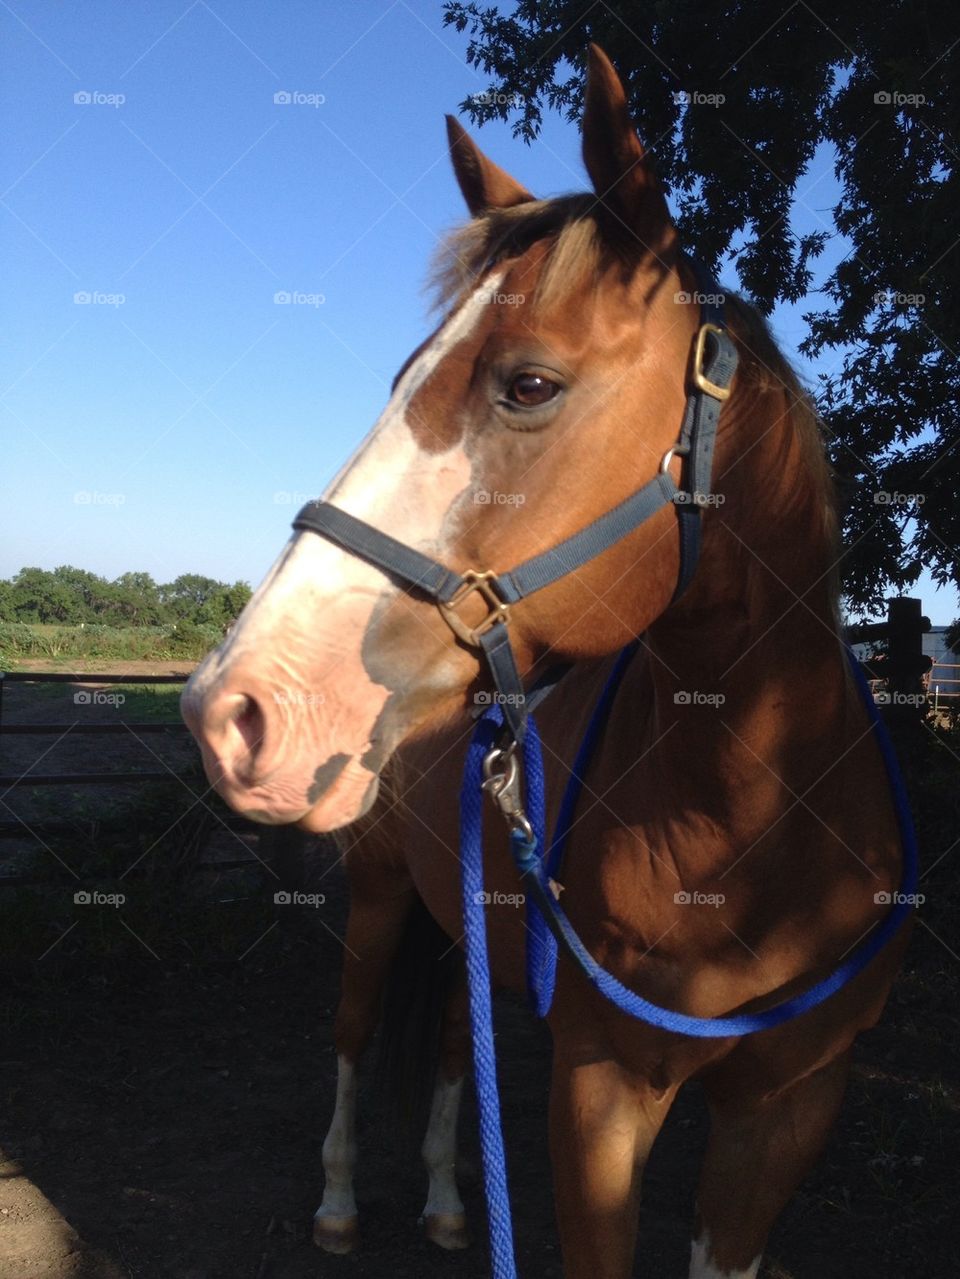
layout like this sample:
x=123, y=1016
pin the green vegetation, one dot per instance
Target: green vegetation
x=68, y=596
x=142, y=703
x=70, y=613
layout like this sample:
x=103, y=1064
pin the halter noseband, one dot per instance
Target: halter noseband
x=714, y=363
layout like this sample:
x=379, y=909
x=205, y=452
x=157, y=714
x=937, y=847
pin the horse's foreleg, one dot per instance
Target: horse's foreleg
x=759, y=1150
x=603, y=1122
x=443, y=1216
x=374, y=932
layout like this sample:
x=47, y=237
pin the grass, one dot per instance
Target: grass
x=142, y=703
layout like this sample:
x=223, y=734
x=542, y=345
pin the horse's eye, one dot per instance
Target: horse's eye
x=531, y=390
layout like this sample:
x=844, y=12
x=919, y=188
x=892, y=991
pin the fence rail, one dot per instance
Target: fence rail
x=904, y=668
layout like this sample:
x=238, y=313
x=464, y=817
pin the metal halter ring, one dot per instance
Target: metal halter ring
x=675, y=450
x=483, y=584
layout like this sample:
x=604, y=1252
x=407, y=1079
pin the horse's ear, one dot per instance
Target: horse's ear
x=621, y=173
x=484, y=184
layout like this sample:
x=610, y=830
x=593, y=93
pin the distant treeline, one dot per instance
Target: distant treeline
x=68, y=596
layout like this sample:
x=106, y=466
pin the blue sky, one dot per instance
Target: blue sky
x=175, y=421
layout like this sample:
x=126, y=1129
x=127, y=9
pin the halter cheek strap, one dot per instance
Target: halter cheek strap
x=713, y=365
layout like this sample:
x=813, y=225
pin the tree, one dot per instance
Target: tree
x=734, y=99
x=137, y=600
x=224, y=605
x=93, y=595
x=36, y=595
x=187, y=595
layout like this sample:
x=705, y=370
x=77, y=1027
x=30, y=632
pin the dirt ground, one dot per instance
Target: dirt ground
x=162, y=1114
x=167, y=1122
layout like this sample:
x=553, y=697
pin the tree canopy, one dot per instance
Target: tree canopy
x=72, y=596
x=734, y=100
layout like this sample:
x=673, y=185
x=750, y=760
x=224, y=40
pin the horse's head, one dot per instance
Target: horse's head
x=549, y=393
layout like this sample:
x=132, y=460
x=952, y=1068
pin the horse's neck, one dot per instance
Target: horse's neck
x=751, y=702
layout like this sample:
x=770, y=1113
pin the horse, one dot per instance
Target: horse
x=736, y=835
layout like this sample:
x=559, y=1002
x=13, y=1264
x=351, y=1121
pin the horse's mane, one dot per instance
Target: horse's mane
x=579, y=254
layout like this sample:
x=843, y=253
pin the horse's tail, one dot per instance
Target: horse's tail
x=420, y=983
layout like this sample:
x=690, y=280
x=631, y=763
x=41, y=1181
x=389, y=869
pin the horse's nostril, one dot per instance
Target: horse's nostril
x=247, y=719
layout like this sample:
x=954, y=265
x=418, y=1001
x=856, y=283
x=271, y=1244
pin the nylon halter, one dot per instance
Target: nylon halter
x=713, y=364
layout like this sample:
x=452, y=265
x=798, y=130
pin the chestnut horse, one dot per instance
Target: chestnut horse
x=736, y=834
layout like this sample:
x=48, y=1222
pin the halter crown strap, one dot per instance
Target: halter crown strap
x=714, y=363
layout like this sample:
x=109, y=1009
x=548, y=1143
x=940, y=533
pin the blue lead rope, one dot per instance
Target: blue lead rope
x=550, y=928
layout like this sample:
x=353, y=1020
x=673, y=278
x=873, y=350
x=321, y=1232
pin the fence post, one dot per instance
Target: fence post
x=906, y=663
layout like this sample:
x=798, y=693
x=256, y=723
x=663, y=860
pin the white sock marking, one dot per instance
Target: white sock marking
x=701, y=1267
x=340, y=1147
x=440, y=1149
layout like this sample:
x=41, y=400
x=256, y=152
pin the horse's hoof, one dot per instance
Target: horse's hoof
x=338, y=1235
x=447, y=1230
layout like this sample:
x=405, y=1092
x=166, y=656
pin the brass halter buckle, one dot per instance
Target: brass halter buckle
x=703, y=383
x=483, y=584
